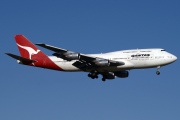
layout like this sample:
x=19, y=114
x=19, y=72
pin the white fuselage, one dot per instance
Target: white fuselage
x=133, y=59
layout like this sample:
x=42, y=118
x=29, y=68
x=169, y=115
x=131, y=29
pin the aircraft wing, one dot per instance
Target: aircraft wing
x=95, y=60
x=52, y=48
x=83, y=61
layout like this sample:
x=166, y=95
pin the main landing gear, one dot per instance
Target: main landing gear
x=158, y=70
x=93, y=74
x=103, y=79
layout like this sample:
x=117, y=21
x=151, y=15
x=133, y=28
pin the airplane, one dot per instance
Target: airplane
x=110, y=65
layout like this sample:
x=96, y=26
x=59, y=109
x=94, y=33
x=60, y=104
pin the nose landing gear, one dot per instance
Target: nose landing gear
x=158, y=70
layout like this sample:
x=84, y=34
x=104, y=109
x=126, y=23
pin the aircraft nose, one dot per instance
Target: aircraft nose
x=174, y=57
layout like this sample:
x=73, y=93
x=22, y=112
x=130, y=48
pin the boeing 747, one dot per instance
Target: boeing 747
x=109, y=65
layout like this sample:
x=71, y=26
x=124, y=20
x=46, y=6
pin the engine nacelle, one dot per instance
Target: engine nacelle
x=71, y=55
x=122, y=74
x=102, y=62
x=109, y=75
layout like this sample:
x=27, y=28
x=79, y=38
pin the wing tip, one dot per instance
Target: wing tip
x=40, y=44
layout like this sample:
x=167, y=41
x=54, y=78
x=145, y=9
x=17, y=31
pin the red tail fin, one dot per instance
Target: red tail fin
x=28, y=49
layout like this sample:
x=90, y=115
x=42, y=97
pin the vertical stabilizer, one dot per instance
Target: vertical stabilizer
x=29, y=51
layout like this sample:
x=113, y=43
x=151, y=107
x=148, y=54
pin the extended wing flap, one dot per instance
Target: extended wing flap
x=80, y=65
x=86, y=58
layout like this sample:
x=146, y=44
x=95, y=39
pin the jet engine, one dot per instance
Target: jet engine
x=122, y=74
x=108, y=75
x=102, y=62
x=71, y=55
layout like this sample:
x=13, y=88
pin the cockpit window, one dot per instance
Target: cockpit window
x=163, y=50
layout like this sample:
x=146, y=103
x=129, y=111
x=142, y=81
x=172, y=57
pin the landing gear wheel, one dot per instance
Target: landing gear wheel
x=93, y=74
x=158, y=70
x=89, y=75
x=158, y=73
x=103, y=79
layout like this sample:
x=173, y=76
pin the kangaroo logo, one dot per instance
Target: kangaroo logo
x=30, y=50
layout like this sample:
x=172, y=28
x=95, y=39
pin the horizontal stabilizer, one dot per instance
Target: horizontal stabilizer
x=23, y=60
